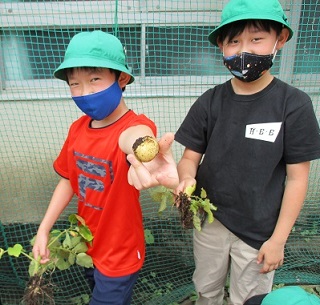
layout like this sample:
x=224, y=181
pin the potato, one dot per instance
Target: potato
x=145, y=148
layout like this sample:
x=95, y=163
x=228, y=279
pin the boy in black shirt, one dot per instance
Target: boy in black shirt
x=254, y=137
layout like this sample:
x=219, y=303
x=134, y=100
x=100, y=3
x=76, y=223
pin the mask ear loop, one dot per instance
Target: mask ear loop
x=274, y=51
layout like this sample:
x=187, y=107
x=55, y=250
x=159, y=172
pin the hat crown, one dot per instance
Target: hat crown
x=96, y=44
x=253, y=8
x=94, y=49
x=236, y=10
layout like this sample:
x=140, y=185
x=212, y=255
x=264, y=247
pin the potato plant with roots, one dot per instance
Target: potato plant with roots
x=67, y=247
x=193, y=209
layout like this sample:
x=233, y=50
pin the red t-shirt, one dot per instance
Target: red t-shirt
x=97, y=169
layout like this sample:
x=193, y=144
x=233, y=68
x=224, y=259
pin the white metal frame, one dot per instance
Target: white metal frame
x=145, y=13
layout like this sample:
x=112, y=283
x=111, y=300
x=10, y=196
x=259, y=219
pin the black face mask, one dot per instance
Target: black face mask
x=248, y=67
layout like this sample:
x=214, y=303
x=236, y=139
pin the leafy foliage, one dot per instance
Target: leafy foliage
x=193, y=209
x=67, y=247
x=162, y=195
x=148, y=237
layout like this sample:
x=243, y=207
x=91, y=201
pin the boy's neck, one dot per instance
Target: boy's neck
x=243, y=88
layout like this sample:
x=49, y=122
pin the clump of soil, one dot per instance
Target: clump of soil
x=193, y=209
x=187, y=215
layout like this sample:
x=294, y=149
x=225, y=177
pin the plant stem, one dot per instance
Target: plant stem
x=57, y=237
x=28, y=256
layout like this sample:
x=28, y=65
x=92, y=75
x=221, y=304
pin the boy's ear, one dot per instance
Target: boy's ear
x=220, y=45
x=283, y=37
x=124, y=79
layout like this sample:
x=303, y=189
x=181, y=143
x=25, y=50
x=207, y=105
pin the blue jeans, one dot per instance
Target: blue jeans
x=110, y=290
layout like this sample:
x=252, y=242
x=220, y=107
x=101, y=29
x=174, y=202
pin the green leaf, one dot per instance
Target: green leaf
x=15, y=250
x=62, y=253
x=194, y=298
x=86, y=298
x=54, y=242
x=32, y=271
x=62, y=264
x=73, y=233
x=80, y=247
x=194, y=206
x=84, y=260
x=162, y=195
x=76, y=301
x=207, y=209
x=197, y=222
x=85, y=232
x=80, y=219
x=49, y=266
x=67, y=242
x=190, y=189
x=36, y=268
x=80, y=300
x=67, y=247
x=203, y=193
x=72, y=258
x=73, y=219
x=55, y=233
x=75, y=241
x=33, y=240
x=148, y=236
x=210, y=216
x=163, y=204
x=213, y=207
x=157, y=193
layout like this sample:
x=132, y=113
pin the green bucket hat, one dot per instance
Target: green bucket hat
x=236, y=10
x=94, y=49
x=290, y=295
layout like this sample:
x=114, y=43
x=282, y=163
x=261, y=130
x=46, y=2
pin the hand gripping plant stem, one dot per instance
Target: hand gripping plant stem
x=67, y=247
x=193, y=209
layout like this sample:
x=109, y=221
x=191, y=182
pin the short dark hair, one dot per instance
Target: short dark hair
x=69, y=71
x=233, y=29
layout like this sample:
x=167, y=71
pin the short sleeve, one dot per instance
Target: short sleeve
x=302, y=138
x=193, y=132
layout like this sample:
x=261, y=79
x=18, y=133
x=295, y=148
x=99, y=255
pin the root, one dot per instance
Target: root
x=183, y=202
x=186, y=216
x=38, y=292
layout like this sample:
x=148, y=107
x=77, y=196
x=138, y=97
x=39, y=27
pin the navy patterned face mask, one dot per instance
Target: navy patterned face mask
x=248, y=67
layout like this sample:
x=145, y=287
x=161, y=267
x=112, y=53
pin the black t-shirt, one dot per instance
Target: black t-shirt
x=247, y=140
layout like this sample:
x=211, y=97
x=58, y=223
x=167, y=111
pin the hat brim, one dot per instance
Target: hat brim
x=89, y=62
x=215, y=33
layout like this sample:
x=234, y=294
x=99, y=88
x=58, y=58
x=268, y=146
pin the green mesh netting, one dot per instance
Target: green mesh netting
x=168, y=52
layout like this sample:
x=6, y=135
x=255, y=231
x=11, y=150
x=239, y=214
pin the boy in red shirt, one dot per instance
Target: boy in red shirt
x=93, y=165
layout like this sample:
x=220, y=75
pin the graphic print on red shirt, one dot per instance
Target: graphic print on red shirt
x=97, y=169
